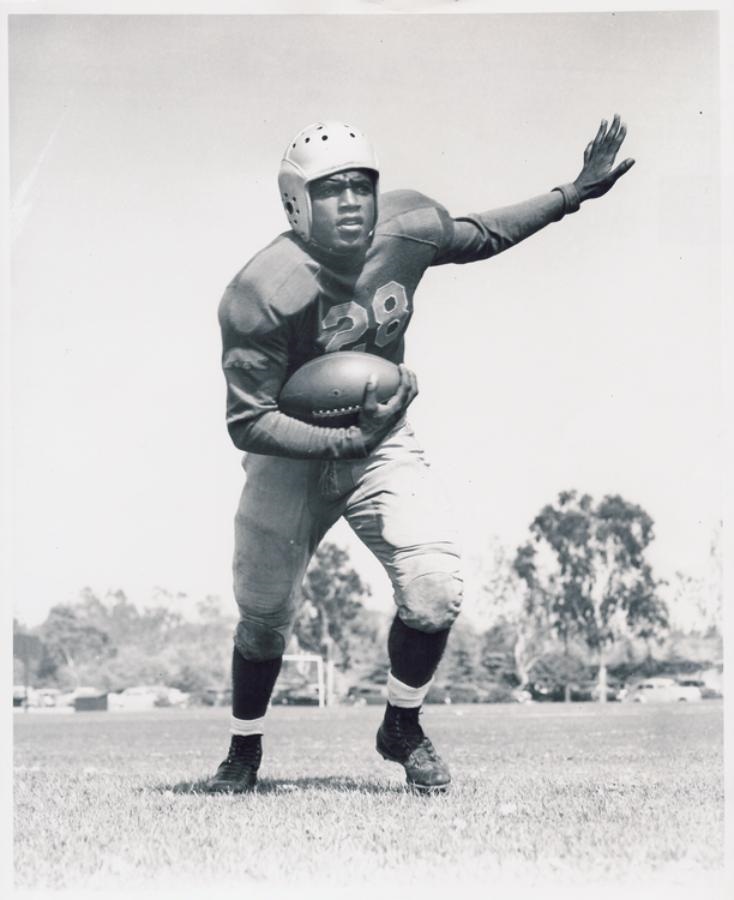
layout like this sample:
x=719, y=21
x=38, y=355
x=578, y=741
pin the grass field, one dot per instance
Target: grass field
x=573, y=795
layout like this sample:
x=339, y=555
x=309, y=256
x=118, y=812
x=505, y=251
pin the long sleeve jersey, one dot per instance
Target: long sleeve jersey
x=293, y=302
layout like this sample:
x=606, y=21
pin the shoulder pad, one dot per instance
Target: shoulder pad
x=276, y=283
x=411, y=214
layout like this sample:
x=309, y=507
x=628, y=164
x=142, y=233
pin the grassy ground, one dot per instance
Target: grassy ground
x=621, y=795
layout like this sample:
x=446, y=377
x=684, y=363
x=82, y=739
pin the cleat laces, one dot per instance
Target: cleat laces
x=407, y=732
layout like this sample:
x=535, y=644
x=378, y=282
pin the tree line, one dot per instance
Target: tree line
x=576, y=602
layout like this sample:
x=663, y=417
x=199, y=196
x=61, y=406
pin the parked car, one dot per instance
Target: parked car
x=20, y=698
x=663, y=690
x=589, y=691
x=48, y=696
x=70, y=697
x=147, y=696
x=40, y=698
x=97, y=703
x=583, y=692
x=707, y=691
x=546, y=693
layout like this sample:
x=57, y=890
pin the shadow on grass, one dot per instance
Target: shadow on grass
x=338, y=784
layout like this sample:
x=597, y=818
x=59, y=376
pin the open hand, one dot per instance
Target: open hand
x=597, y=175
x=375, y=418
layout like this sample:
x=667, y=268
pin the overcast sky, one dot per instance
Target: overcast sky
x=144, y=154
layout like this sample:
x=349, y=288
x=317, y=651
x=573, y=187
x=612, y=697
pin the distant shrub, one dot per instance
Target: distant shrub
x=500, y=693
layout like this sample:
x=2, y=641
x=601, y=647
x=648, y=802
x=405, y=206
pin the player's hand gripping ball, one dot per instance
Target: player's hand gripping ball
x=329, y=390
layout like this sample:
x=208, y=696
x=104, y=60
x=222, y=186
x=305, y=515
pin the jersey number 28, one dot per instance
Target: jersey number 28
x=390, y=308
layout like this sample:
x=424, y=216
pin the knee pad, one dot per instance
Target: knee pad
x=431, y=602
x=258, y=642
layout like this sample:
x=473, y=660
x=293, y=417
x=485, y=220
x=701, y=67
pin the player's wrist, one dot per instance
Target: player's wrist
x=359, y=442
x=572, y=197
x=372, y=435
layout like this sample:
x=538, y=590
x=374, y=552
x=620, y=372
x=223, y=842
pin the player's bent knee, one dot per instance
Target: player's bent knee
x=258, y=642
x=432, y=602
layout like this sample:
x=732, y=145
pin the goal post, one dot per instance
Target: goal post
x=324, y=674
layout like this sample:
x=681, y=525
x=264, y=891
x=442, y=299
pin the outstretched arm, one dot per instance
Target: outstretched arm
x=485, y=234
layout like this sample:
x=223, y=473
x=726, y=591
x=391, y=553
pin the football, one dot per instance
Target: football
x=329, y=390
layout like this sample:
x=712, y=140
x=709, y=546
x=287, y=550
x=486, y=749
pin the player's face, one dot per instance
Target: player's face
x=343, y=210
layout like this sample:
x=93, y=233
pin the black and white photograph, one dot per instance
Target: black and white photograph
x=364, y=449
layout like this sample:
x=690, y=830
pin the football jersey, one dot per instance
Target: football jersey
x=295, y=301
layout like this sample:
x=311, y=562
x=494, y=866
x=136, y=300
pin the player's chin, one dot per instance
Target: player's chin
x=345, y=243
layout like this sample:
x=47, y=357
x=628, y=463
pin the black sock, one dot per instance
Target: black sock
x=414, y=655
x=252, y=685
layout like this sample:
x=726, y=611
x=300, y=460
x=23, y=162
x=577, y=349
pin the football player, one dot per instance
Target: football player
x=343, y=277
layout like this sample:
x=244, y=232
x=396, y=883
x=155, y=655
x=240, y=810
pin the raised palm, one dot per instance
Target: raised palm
x=597, y=175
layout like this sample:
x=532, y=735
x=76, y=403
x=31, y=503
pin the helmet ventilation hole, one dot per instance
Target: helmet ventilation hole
x=324, y=137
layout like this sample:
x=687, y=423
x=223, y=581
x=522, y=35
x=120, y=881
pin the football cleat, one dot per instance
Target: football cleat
x=237, y=774
x=318, y=150
x=400, y=739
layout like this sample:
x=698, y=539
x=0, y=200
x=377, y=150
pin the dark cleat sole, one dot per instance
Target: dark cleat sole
x=427, y=790
x=223, y=788
x=424, y=789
